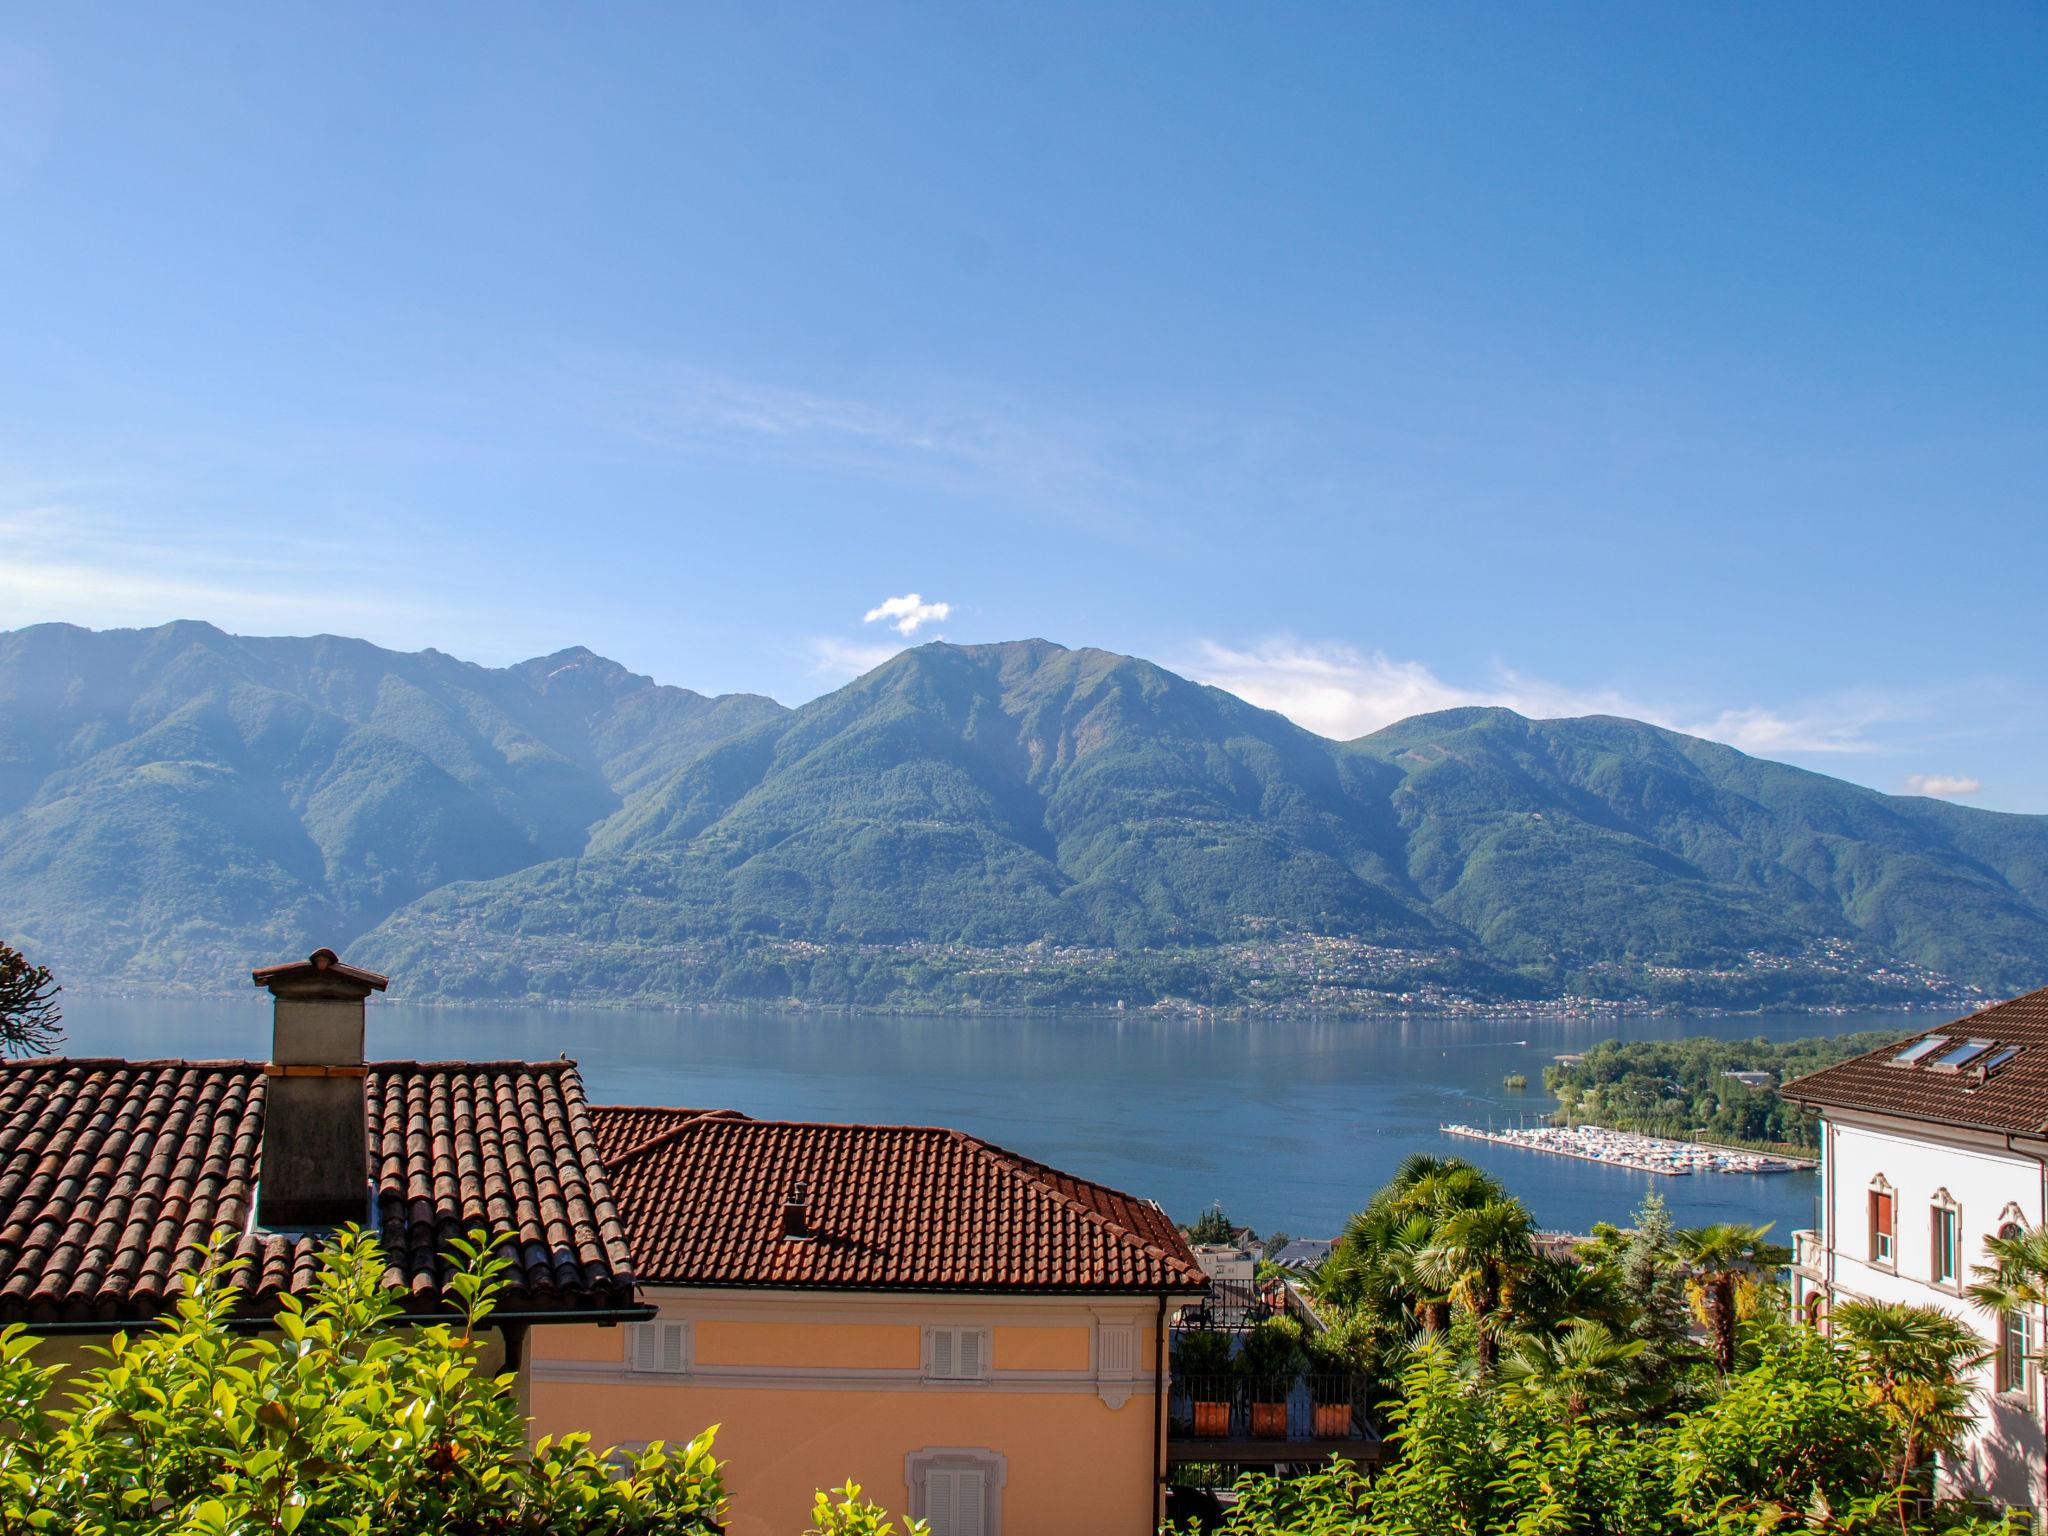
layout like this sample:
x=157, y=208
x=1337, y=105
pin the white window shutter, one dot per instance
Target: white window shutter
x=672, y=1347
x=644, y=1346
x=970, y=1503
x=970, y=1354
x=938, y=1503
x=942, y=1352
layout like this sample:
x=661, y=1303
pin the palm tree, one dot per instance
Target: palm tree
x=1719, y=1257
x=1913, y=1359
x=2016, y=1279
x=1480, y=1257
x=1583, y=1371
x=1374, y=1263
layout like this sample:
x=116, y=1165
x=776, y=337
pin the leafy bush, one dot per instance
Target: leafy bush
x=1272, y=1358
x=1202, y=1355
x=843, y=1512
x=343, y=1424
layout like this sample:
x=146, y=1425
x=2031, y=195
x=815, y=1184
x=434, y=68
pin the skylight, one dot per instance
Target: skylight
x=1918, y=1049
x=1992, y=1065
x=1963, y=1055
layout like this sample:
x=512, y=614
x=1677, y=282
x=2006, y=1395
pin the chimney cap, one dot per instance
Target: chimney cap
x=322, y=965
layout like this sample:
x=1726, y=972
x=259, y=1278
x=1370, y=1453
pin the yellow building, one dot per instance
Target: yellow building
x=975, y=1338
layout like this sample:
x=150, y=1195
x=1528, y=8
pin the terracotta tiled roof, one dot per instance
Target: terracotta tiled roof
x=892, y=1208
x=2013, y=1097
x=111, y=1171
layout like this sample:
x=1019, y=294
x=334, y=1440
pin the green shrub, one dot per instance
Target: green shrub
x=343, y=1423
x=843, y=1512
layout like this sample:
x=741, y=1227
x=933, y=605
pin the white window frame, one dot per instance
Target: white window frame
x=669, y=1349
x=1886, y=1257
x=1944, y=1210
x=946, y=1344
x=992, y=1465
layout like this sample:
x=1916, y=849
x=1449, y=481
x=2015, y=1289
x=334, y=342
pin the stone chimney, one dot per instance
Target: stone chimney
x=315, y=1170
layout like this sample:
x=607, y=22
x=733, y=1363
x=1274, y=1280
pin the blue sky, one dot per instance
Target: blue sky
x=1682, y=361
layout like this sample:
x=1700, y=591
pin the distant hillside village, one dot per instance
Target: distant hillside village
x=889, y=1322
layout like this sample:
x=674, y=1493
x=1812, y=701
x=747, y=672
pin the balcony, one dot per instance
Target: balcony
x=1809, y=1258
x=1308, y=1420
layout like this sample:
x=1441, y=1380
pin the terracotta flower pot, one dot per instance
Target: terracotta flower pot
x=1333, y=1421
x=1212, y=1421
x=1269, y=1421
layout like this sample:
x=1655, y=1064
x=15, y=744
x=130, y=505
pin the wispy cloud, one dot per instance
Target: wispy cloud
x=951, y=436
x=838, y=660
x=1341, y=691
x=906, y=614
x=67, y=562
x=1942, y=785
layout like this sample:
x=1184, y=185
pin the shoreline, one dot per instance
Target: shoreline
x=1577, y=1010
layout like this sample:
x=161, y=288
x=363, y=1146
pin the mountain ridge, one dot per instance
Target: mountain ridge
x=1017, y=824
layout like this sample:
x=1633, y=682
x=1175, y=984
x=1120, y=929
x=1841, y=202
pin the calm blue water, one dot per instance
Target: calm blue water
x=1290, y=1124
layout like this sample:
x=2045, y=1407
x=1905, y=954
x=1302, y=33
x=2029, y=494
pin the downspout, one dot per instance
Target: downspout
x=1159, y=1415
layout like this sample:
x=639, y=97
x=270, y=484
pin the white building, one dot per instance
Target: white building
x=1929, y=1147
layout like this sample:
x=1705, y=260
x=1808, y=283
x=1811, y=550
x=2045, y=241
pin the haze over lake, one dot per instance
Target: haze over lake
x=1290, y=1123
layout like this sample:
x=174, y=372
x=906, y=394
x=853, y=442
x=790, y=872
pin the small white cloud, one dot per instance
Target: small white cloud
x=906, y=613
x=1942, y=785
x=835, y=658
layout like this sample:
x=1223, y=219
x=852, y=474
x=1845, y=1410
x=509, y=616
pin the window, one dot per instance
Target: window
x=1994, y=1063
x=1947, y=1243
x=956, y=1501
x=957, y=1492
x=1880, y=1226
x=2015, y=1352
x=658, y=1346
x=1918, y=1049
x=1963, y=1055
x=956, y=1354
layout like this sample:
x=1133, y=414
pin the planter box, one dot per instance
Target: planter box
x=1212, y=1421
x=1269, y=1421
x=1333, y=1421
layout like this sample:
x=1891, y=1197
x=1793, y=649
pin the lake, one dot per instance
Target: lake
x=1291, y=1124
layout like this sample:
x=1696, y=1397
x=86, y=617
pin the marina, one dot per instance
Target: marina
x=1631, y=1149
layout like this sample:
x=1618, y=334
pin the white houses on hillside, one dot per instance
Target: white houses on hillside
x=1929, y=1147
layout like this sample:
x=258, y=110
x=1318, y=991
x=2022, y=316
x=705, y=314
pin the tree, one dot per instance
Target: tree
x=346, y=1420
x=2016, y=1279
x=1582, y=1372
x=1720, y=1255
x=1212, y=1226
x=1481, y=1256
x=1913, y=1360
x=28, y=1006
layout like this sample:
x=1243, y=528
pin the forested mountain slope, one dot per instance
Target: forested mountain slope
x=178, y=800
x=1016, y=824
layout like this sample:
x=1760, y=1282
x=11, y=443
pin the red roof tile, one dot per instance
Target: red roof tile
x=892, y=1208
x=112, y=1171
x=2013, y=1098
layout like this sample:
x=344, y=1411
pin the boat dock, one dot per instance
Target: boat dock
x=1632, y=1150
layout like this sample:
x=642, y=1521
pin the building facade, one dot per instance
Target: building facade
x=976, y=1339
x=1929, y=1147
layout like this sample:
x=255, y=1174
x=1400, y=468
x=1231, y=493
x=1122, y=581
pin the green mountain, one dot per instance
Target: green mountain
x=1001, y=825
x=174, y=801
